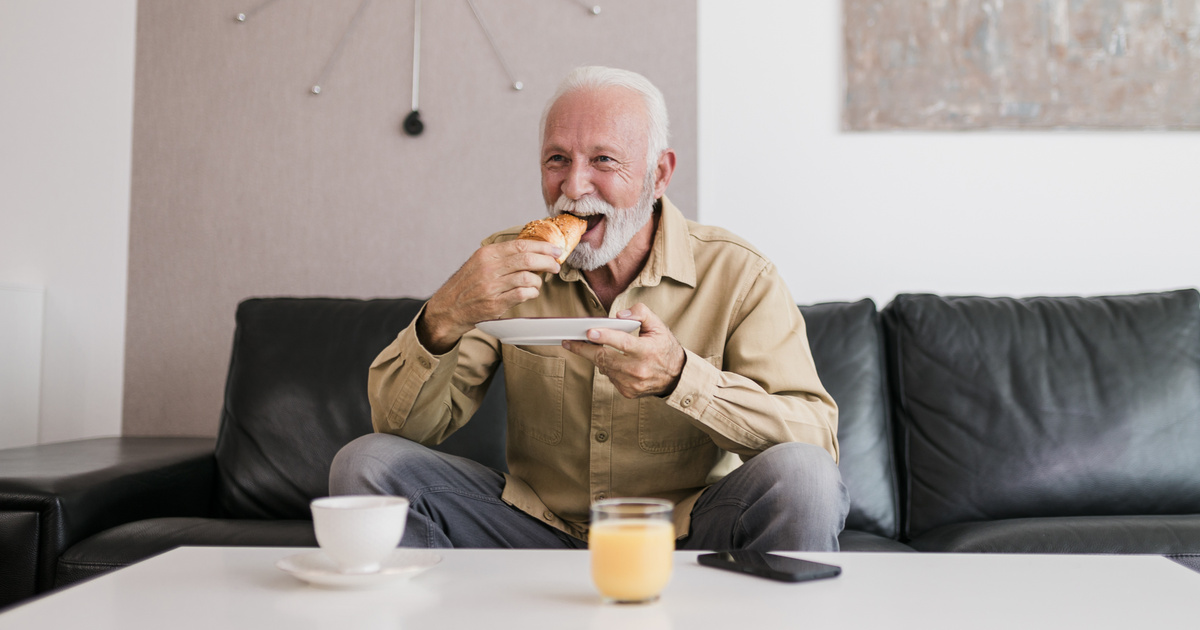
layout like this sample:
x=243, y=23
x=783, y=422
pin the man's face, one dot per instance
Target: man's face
x=595, y=150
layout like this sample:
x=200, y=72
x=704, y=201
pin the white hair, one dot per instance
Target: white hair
x=600, y=77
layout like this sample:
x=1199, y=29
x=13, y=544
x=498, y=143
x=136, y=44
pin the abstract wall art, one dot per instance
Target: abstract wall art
x=1021, y=64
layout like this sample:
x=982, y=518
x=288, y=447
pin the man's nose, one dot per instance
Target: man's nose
x=578, y=182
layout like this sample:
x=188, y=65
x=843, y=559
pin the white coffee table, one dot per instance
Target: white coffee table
x=239, y=587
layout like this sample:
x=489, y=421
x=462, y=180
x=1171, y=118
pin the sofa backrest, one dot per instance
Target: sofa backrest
x=297, y=392
x=1049, y=406
x=847, y=347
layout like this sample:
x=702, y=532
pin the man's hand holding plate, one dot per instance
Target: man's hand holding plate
x=645, y=365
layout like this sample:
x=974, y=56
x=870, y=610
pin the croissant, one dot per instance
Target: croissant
x=563, y=230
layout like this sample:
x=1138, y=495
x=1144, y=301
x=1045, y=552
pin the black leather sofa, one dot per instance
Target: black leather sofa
x=967, y=424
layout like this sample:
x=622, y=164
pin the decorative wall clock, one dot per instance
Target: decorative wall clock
x=412, y=125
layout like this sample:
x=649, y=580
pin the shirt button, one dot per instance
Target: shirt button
x=424, y=362
x=595, y=303
x=601, y=496
x=686, y=402
x=548, y=516
x=601, y=437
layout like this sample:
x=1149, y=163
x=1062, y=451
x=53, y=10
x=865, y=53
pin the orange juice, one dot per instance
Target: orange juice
x=631, y=559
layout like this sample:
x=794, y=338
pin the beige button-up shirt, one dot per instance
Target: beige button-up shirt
x=748, y=383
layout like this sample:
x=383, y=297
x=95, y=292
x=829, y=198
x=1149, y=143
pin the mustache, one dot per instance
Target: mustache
x=583, y=207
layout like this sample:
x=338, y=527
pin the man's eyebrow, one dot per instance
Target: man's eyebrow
x=607, y=149
x=610, y=150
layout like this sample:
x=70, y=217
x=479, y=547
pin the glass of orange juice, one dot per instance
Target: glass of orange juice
x=631, y=543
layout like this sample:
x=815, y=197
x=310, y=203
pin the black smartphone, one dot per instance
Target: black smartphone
x=769, y=565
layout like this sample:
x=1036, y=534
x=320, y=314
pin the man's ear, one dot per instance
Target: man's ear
x=663, y=171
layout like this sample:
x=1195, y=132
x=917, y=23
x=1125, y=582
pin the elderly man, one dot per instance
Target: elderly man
x=714, y=404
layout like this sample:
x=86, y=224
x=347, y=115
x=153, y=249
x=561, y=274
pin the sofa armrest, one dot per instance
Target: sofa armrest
x=67, y=491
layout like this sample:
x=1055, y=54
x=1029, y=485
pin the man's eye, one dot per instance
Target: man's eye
x=604, y=158
x=555, y=159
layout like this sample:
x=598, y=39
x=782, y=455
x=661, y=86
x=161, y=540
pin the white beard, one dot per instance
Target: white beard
x=620, y=226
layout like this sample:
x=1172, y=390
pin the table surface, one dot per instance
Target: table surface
x=240, y=587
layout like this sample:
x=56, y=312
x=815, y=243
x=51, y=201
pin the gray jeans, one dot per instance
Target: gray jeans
x=788, y=498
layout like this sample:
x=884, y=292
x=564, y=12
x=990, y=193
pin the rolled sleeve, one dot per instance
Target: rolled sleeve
x=396, y=380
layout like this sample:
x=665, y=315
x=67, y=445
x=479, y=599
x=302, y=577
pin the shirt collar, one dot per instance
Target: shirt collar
x=670, y=256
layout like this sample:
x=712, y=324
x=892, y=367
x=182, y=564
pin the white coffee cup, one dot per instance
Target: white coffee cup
x=359, y=531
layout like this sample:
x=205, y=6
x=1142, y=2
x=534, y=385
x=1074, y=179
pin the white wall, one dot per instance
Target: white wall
x=66, y=74
x=851, y=215
x=21, y=317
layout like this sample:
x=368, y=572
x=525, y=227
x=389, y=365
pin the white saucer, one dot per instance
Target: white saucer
x=550, y=331
x=317, y=568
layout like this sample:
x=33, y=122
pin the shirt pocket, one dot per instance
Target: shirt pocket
x=537, y=411
x=661, y=429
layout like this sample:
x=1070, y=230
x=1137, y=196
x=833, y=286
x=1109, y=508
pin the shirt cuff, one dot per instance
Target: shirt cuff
x=697, y=382
x=411, y=345
x=412, y=366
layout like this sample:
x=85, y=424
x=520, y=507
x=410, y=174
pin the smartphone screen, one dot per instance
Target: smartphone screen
x=769, y=565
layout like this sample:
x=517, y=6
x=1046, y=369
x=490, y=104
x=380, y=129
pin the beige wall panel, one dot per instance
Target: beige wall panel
x=245, y=184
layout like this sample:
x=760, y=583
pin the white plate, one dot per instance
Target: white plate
x=317, y=568
x=550, y=331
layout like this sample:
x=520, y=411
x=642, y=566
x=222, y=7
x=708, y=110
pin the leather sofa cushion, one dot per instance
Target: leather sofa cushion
x=847, y=348
x=297, y=392
x=126, y=544
x=1071, y=534
x=18, y=555
x=1051, y=406
x=68, y=491
x=852, y=540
